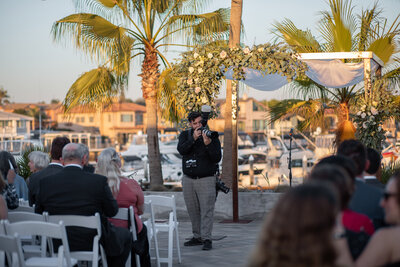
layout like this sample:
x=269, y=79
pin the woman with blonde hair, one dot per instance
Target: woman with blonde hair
x=127, y=192
x=300, y=231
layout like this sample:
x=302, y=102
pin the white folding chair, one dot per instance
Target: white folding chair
x=29, y=246
x=23, y=202
x=23, y=208
x=128, y=214
x=169, y=225
x=12, y=246
x=49, y=230
x=149, y=221
x=92, y=222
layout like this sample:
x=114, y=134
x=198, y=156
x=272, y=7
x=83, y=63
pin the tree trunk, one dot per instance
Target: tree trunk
x=150, y=75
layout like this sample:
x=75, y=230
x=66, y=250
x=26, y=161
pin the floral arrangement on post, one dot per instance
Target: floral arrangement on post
x=199, y=73
x=372, y=113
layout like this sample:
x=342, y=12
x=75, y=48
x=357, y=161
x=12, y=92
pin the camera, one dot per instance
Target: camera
x=205, y=113
x=220, y=186
x=191, y=163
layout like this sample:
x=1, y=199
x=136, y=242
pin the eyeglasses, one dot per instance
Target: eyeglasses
x=387, y=195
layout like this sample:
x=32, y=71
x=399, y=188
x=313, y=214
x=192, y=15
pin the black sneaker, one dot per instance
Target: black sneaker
x=207, y=244
x=193, y=242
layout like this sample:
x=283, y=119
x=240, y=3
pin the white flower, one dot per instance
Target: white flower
x=195, y=55
x=199, y=70
x=197, y=90
x=190, y=81
x=201, y=62
x=204, y=100
x=261, y=49
x=210, y=55
x=363, y=108
x=379, y=128
x=374, y=111
x=374, y=103
x=191, y=69
x=364, y=125
x=362, y=114
x=246, y=50
x=371, y=118
x=223, y=54
x=196, y=80
x=359, y=113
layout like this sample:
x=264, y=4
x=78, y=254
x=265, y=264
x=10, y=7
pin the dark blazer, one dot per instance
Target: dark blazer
x=35, y=178
x=365, y=200
x=375, y=182
x=75, y=192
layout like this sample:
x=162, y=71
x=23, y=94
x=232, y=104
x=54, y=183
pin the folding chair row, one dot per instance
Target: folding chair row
x=91, y=222
x=11, y=244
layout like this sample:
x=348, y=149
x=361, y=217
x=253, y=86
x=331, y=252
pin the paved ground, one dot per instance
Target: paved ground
x=232, y=250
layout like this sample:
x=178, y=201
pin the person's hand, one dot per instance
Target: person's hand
x=10, y=176
x=196, y=133
x=206, y=139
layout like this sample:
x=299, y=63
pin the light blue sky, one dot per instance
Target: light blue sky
x=33, y=68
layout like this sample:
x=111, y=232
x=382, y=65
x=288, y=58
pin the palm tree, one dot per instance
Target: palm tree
x=3, y=95
x=113, y=32
x=341, y=31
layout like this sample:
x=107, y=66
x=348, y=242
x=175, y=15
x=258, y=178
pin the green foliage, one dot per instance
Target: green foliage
x=388, y=171
x=23, y=161
x=199, y=72
x=373, y=111
x=3, y=95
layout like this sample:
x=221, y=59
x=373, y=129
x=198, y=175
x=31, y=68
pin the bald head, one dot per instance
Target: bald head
x=73, y=153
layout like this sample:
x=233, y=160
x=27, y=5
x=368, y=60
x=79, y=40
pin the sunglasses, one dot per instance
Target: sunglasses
x=388, y=195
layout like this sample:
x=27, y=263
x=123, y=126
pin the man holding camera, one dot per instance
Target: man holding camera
x=201, y=151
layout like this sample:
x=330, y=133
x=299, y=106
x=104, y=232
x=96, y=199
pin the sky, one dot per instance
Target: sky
x=34, y=68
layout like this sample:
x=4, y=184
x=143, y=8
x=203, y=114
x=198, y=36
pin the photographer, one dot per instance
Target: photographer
x=201, y=151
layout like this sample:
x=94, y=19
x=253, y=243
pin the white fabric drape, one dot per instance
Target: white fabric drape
x=332, y=73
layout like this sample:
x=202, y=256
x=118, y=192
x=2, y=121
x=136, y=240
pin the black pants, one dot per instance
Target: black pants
x=141, y=247
x=125, y=237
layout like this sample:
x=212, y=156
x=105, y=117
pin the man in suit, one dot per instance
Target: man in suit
x=366, y=198
x=73, y=191
x=370, y=175
x=54, y=167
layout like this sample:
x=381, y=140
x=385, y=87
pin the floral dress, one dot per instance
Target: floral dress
x=10, y=195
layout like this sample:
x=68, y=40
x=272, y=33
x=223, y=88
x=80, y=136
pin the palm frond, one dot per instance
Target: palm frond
x=93, y=89
x=337, y=27
x=301, y=41
x=201, y=28
x=168, y=103
x=94, y=35
x=368, y=22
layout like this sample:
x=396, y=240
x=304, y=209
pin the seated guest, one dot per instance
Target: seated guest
x=358, y=226
x=38, y=160
x=384, y=247
x=127, y=192
x=73, y=191
x=366, y=198
x=86, y=166
x=54, y=167
x=7, y=178
x=370, y=175
x=7, y=162
x=300, y=230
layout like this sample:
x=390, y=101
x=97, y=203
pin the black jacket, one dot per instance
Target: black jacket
x=206, y=157
x=73, y=191
x=35, y=178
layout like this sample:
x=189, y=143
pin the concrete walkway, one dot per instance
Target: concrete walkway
x=232, y=250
